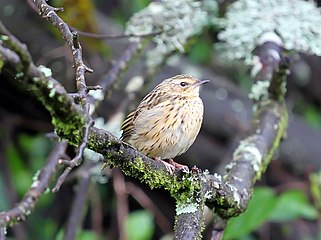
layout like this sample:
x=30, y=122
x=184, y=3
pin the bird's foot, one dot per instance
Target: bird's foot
x=178, y=166
x=169, y=167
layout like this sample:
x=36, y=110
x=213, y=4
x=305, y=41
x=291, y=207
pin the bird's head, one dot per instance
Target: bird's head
x=184, y=85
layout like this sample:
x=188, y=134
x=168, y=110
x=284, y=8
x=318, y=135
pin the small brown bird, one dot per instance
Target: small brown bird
x=166, y=122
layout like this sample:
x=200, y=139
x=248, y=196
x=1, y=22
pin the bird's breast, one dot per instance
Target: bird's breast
x=168, y=129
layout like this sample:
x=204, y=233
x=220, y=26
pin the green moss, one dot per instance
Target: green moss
x=281, y=129
x=183, y=190
x=71, y=130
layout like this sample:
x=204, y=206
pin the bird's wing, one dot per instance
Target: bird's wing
x=128, y=125
x=149, y=101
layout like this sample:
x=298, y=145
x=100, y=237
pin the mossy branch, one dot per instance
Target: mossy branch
x=269, y=125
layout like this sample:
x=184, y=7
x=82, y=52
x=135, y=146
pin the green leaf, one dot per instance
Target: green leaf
x=22, y=178
x=260, y=207
x=200, y=51
x=313, y=116
x=291, y=205
x=138, y=5
x=139, y=225
x=37, y=149
x=81, y=235
x=87, y=235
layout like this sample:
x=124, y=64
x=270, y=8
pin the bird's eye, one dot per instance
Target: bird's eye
x=183, y=84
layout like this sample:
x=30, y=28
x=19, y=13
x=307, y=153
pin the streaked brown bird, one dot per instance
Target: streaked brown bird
x=168, y=119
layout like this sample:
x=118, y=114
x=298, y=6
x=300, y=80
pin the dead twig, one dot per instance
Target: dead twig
x=71, y=37
x=38, y=187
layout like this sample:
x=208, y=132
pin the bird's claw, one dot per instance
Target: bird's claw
x=169, y=167
x=181, y=167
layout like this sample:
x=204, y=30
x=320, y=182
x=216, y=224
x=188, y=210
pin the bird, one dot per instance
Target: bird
x=167, y=120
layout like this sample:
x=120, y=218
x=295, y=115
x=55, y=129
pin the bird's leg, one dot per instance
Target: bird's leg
x=184, y=168
x=169, y=167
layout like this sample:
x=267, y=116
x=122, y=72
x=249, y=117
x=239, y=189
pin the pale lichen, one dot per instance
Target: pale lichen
x=259, y=90
x=19, y=75
x=236, y=195
x=210, y=194
x=247, y=150
x=46, y=71
x=135, y=84
x=92, y=155
x=296, y=22
x=36, y=175
x=182, y=208
x=177, y=20
x=50, y=84
x=52, y=92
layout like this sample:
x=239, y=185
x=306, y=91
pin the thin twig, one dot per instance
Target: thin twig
x=19, y=231
x=38, y=187
x=18, y=47
x=108, y=36
x=61, y=178
x=119, y=65
x=49, y=13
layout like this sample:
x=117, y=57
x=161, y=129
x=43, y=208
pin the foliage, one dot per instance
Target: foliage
x=266, y=206
x=178, y=21
x=260, y=207
x=139, y=225
x=291, y=205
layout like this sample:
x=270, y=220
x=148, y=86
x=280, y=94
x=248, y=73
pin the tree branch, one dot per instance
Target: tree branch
x=49, y=13
x=189, y=221
x=270, y=121
x=120, y=65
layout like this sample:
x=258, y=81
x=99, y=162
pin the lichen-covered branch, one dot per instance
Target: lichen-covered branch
x=190, y=225
x=189, y=220
x=270, y=121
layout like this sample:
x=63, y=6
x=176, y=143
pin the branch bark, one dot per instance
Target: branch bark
x=269, y=124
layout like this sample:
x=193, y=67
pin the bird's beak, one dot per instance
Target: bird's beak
x=200, y=82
